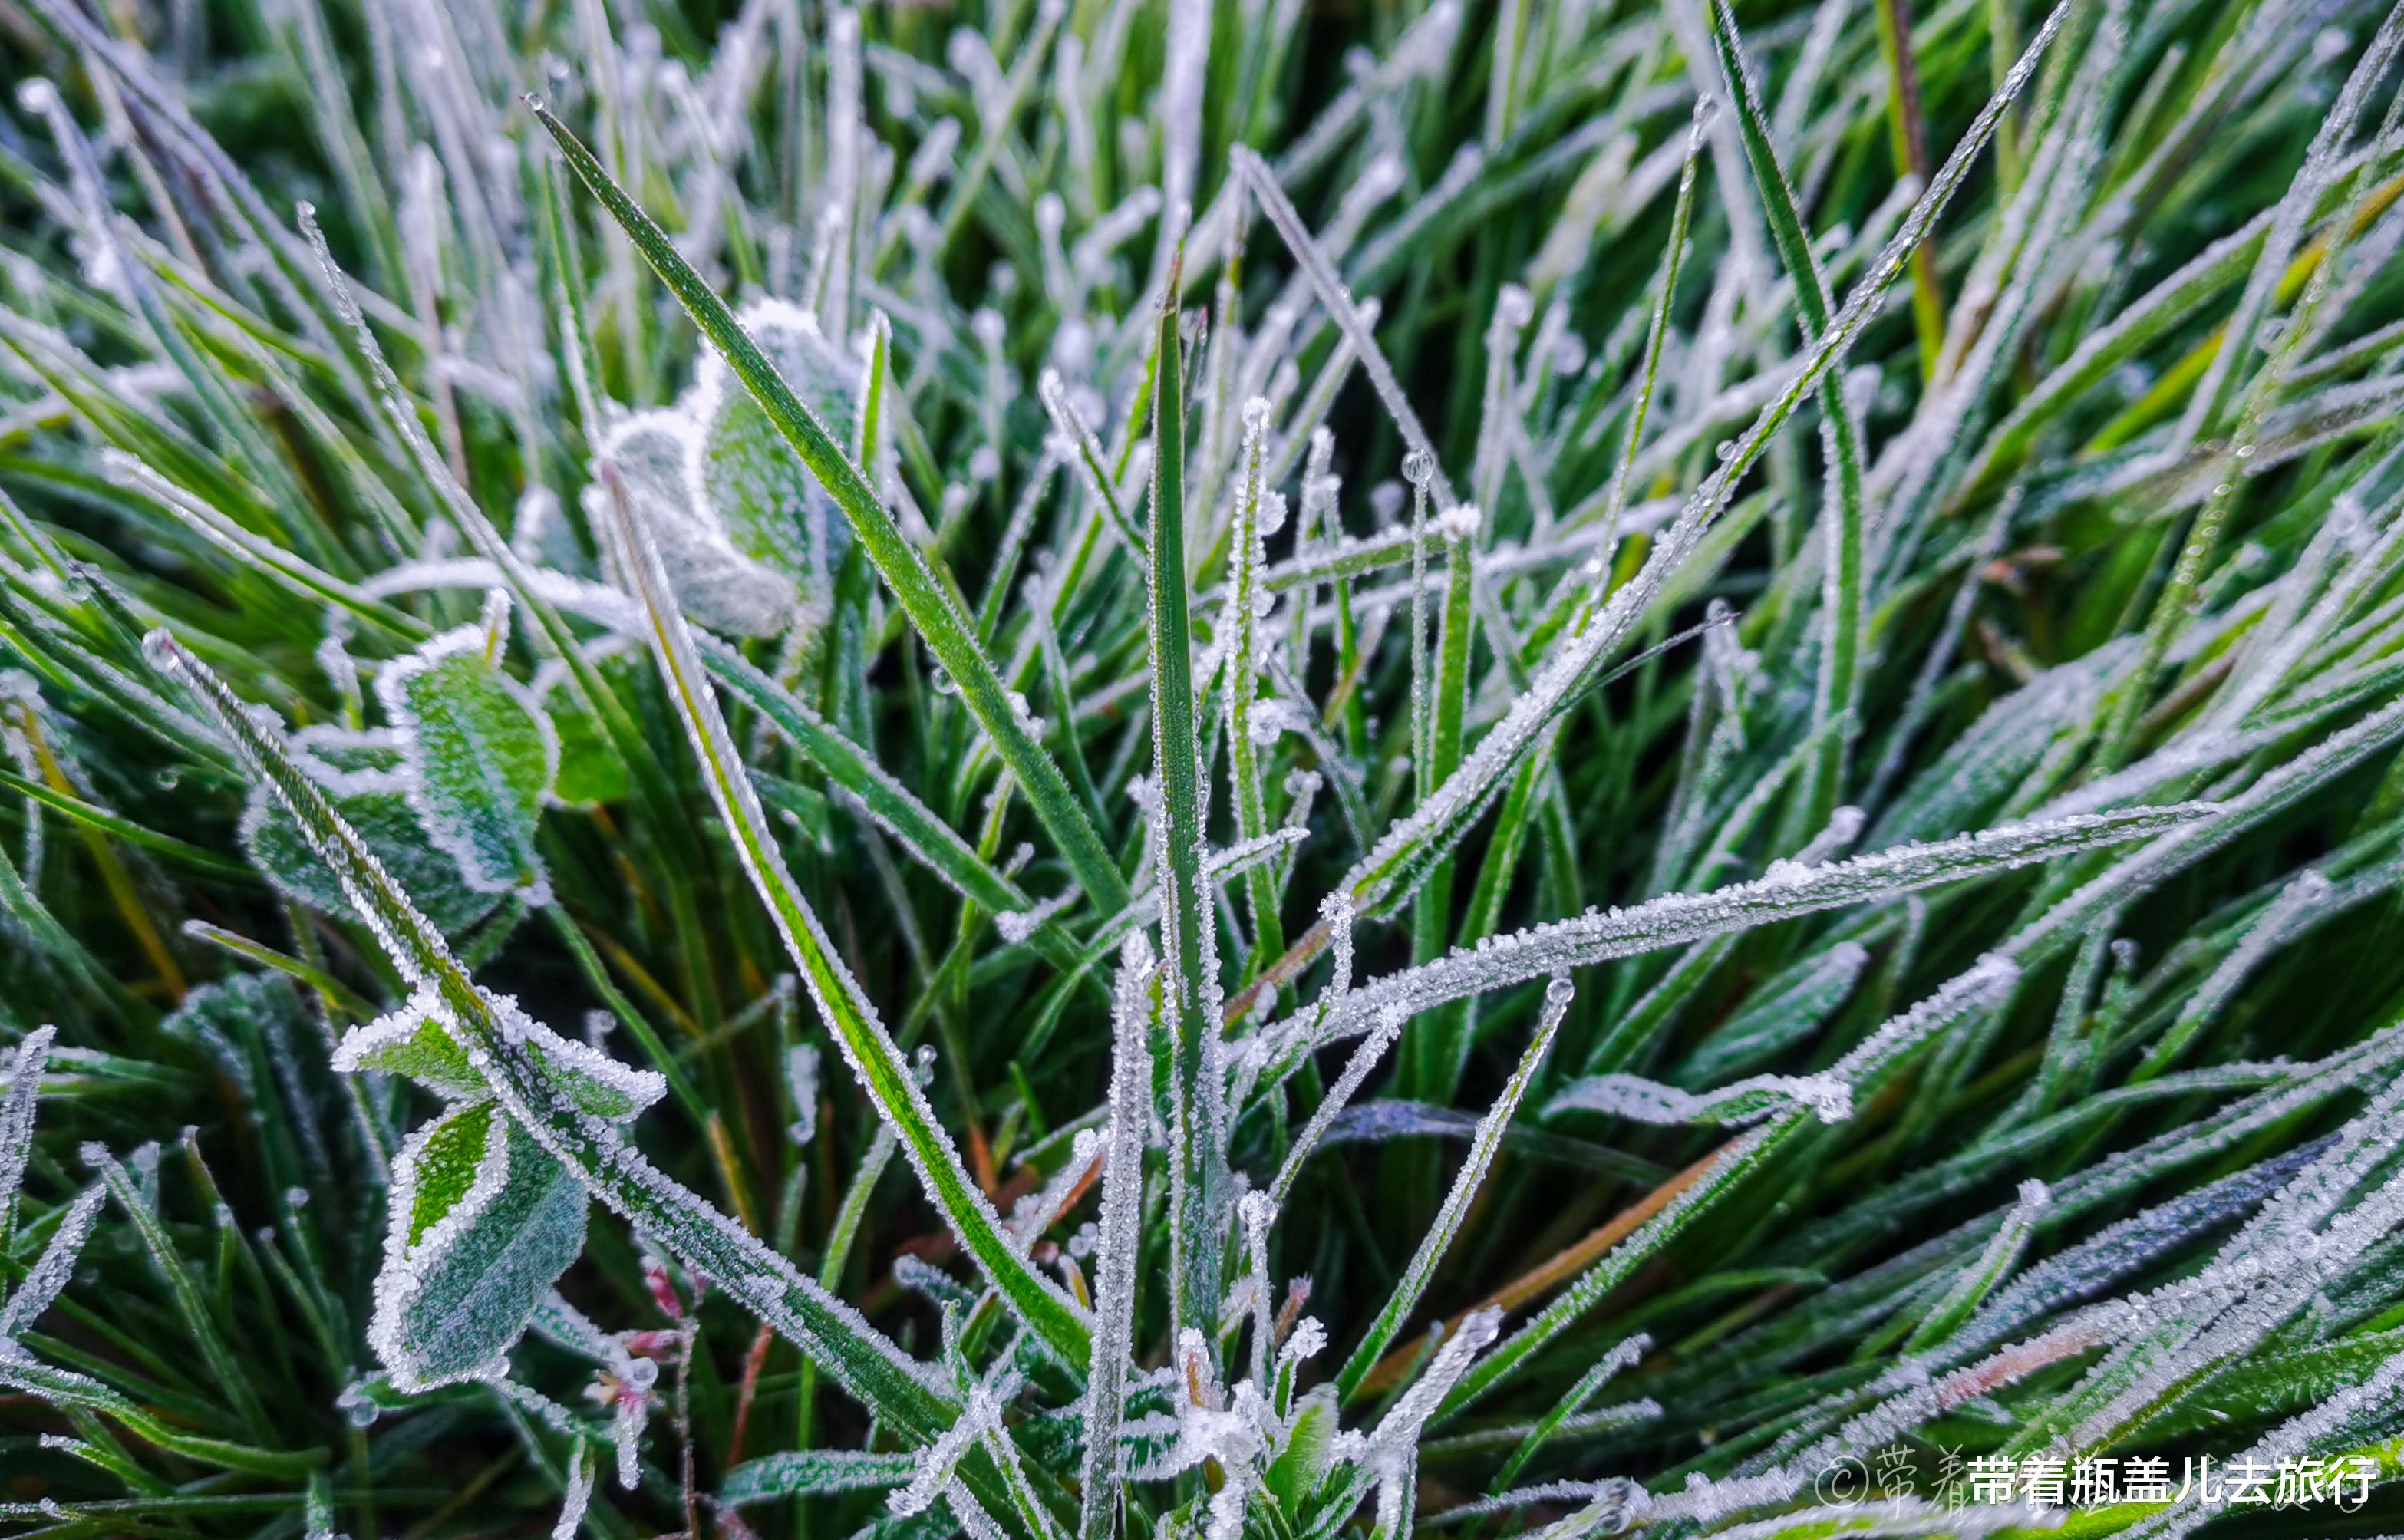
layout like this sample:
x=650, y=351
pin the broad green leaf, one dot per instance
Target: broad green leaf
x=772, y=509
x=657, y=455
x=481, y=755
x=440, y=1166
x=483, y=1222
x=359, y=775
x=804, y=1473
x=421, y=1041
x=591, y=772
x=1295, y=1476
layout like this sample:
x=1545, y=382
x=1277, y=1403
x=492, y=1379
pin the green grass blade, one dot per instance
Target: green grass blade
x=1484, y=1147
x=872, y=1052
x=1839, y=699
x=1190, y=969
x=1245, y=663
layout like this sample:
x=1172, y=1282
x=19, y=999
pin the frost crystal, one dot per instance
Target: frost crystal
x=1829, y=1100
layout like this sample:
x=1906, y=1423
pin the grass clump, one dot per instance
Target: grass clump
x=1148, y=769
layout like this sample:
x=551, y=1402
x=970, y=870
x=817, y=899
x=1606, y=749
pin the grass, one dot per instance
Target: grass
x=1260, y=771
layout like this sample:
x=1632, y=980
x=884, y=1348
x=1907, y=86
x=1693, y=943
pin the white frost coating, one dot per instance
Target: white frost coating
x=2206, y=409
x=745, y=478
x=1500, y=961
x=1484, y=1146
x=2285, y=641
x=454, y=1294
x=1618, y=1490
x=1986, y=982
x=371, y=1045
x=2280, y=919
x=1401, y=854
x=2170, y=1337
x=824, y=1327
x=1356, y=1069
x=1499, y=421
x=397, y=1043
x=564, y=590
x=1122, y=1235
x=353, y=763
x=1344, y=310
x=1086, y=451
x=1397, y=1433
x=1338, y=910
x=2000, y=1255
x=1244, y=855
x=2290, y=1440
x=1181, y=114
x=1844, y=827
x=844, y=126
x=126, y=470
x=940, y=1459
x=1257, y=1215
x=1458, y=525
x=50, y=1270
x=1211, y=1421
x=802, y=1082
x=1015, y=926
x=16, y=1117
x=1565, y=1414
x=1747, y=1100
x=1090, y=254
x=1039, y=1211
x=578, y=1495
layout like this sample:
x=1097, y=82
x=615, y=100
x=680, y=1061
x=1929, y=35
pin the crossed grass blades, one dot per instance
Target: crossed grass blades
x=1196, y=771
